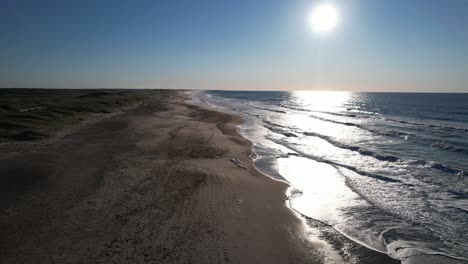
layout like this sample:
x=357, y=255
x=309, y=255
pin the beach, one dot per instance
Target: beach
x=161, y=181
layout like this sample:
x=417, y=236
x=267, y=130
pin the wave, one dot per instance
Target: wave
x=336, y=164
x=400, y=242
x=271, y=110
x=360, y=150
x=280, y=131
x=446, y=119
x=444, y=168
x=368, y=114
x=283, y=130
x=446, y=128
x=459, y=195
x=451, y=146
x=437, y=166
x=274, y=124
x=338, y=114
x=458, y=113
x=294, y=108
x=375, y=131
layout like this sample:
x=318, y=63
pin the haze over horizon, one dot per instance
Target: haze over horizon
x=395, y=46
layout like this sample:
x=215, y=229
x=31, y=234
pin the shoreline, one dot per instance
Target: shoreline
x=156, y=184
x=355, y=251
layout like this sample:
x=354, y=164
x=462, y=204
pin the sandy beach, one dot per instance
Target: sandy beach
x=154, y=184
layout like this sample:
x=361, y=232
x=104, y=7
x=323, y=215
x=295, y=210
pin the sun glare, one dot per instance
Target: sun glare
x=324, y=18
x=322, y=100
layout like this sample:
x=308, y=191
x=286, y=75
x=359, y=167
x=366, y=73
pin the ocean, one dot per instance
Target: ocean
x=388, y=170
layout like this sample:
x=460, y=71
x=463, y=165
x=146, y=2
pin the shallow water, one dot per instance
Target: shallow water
x=384, y=169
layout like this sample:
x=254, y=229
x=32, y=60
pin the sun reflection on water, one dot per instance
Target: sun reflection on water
x=323, y=190
x=321, y=100
x=316, y=108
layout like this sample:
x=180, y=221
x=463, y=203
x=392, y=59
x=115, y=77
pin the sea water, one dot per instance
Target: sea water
x=388, y=170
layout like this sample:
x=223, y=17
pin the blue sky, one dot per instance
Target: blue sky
x=398, y=45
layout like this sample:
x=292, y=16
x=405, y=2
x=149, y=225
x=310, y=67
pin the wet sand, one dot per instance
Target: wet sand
x=162, y=182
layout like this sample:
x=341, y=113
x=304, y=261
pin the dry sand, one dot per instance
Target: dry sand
x=152, y=185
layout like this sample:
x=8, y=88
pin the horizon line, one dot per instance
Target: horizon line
x=239, y=90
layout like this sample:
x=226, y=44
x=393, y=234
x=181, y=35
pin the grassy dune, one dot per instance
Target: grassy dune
x=33, y=114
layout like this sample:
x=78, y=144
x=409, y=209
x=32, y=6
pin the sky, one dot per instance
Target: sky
x=398, y=45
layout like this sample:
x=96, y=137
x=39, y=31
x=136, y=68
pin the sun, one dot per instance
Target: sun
x=324, y=18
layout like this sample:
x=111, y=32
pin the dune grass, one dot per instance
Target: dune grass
x=33, y=114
